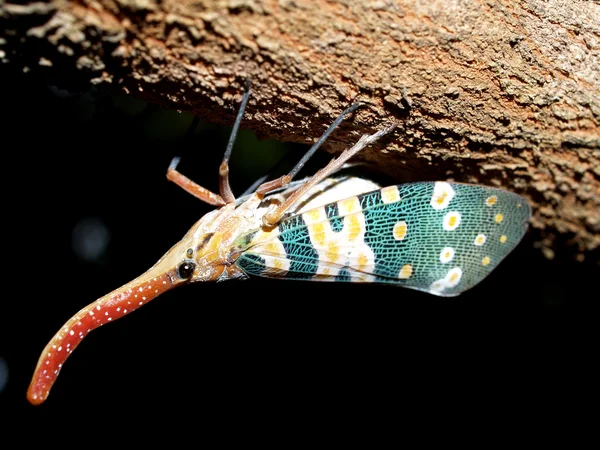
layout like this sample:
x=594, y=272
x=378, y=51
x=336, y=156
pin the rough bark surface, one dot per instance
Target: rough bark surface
x=502, y=93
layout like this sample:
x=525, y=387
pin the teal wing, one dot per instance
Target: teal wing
x=438, y=237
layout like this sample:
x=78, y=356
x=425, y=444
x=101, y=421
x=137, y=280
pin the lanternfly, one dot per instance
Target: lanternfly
x=439, y=237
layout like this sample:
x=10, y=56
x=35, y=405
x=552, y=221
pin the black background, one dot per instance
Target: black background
x=248, y=356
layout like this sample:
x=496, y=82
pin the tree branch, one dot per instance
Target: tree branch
x=503, y=93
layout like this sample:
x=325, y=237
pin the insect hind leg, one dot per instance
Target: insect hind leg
x=286, y=179
x=273, y=216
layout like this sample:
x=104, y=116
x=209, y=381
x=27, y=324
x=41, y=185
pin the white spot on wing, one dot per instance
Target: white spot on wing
x=479, y=240
x=446, y=255
x=451, y=280
x=442, y=195
x=451, y=221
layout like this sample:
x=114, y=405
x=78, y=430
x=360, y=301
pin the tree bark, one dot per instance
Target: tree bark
x=500, y=93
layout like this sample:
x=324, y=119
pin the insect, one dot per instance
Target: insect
x=439, y=237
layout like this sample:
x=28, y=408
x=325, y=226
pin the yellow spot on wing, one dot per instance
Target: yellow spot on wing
x=354, y=227
x=349, y=206
x=451, y=220
x=437, y=286
x=333, y=251
x=498, y=218
x=453, y=277
x=317, y=231
x=446, y=255
x=273, y=248
x=442, y=195
x=480, y=239
x=390, y=194
x=314, y=215
x=491, y=200
x=400, y=230
x=405, y=272
x=363, y=260
x=485, y=261
x=503, y=239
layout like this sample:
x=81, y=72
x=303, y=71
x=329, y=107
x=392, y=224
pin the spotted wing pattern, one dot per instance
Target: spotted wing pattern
x=438, y=237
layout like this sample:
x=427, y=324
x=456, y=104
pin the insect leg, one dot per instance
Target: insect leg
x=285, y=179
x=200, y=192
x=271, y=218
x=190, y=186
x=224, y=187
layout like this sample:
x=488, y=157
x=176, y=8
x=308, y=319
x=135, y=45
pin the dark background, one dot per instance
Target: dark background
x=256, y=354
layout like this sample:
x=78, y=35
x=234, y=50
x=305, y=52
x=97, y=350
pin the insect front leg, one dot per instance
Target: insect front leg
x=192, y=187
x=224, y=188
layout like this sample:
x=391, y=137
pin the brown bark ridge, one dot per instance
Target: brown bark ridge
x=500, y=93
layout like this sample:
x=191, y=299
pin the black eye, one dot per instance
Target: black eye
x=186, y=269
